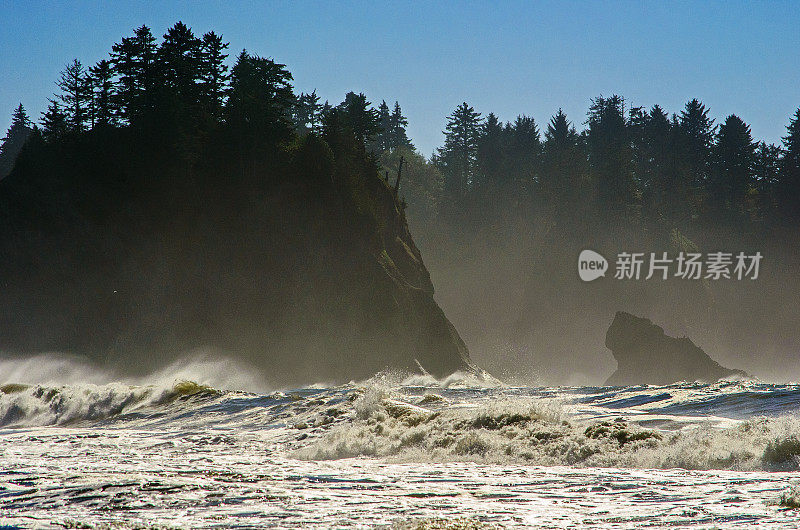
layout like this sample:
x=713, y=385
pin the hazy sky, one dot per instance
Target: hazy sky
x=509, y=58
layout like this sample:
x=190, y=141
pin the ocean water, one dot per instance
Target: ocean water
x=395, y=451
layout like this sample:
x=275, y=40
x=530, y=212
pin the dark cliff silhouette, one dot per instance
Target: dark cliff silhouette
x=173, y=210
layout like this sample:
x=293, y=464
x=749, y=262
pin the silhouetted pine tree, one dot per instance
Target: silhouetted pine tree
x=54, y=122
x=76, y=95
x=789, y=180
x=19, y=122
x=562, y=179
x=659, y=144
x=181, y=60
x=728, y=187
x=397, y=129
x=14, y=140
x=524, y=152
x=458, y=156
x=307, y=112
x=490, y=157
x=766, y=173
x=661, y=177
x=213, y=74
x=101, y=77
x=261, y=100
x=392, y=133
x=697, y=139
x=360, y=117
x=134, y=61
x=609, y=154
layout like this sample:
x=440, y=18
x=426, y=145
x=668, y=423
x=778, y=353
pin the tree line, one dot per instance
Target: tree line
x=628, y=162
x=183, y=83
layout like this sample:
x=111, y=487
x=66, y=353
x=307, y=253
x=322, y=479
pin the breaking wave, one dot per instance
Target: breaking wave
x=34, y=406
x=55, y=389
x=510, y=427
x=62, y=369
x=403, y=417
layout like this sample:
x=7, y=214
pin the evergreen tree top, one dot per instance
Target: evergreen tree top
x=560, y=130
x=20, y=124
x=694, y=119
x=463, y=120
x=20, y=117
x=792, y=140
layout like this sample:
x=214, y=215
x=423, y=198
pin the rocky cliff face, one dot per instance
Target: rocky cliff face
x=646, y=355
x=298, y=264
x=417, y=332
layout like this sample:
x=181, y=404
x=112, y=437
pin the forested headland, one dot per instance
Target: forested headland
x=165, y=203
x=163, y=137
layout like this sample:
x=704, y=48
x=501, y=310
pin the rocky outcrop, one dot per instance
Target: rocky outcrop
x=646, y=355
x=301, y=267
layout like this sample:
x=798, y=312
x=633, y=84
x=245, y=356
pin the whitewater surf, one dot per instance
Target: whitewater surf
x=397, y=450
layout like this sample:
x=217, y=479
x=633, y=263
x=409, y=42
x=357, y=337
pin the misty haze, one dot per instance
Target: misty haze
x=231, y=297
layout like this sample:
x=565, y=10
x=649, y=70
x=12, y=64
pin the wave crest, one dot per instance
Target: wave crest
x=521, y=431
x=41, y=405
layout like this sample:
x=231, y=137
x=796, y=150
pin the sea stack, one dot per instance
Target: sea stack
x=297, y=261
x=646, y=355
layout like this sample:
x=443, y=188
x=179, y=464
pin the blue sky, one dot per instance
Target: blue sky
x=508, y=57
